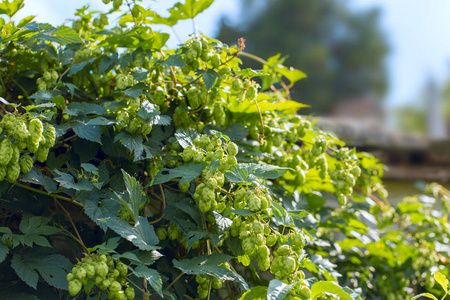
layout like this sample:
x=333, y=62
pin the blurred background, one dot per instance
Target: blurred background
x=378, y=70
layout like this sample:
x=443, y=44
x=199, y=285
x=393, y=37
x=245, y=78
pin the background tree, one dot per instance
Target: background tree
x=341, y=50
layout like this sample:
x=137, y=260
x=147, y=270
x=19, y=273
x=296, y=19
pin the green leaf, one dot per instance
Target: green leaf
x=136, y=90
x=187, y=172
x=194, y=236
x=280, y=215
x=35, y=176
x=173, y=60
x=249, y=173
x=209, y=77
x=189, y=10
x=107, y=63
x=61, y=35
x=247, y=107
x=428, y=295
x=277, y=289
x=134, y=190
x=140, y=74
x=236, y=132
x=148, y=110
x=186, y=137
x=3, y=252
x=49, y=266
x=293, y=75
x=142, y=234
x=255, y=293
x=68, y=181
x=203, y=265
x=442, y=280
x=84, y=109
x=10, y=9
x=90, y=168
x=84, y=130
x=152, y=276
x=328, y=287
x=99, y=211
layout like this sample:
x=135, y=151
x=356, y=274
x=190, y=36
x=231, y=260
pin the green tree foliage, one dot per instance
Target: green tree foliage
x=342, y=51
x=132, y=171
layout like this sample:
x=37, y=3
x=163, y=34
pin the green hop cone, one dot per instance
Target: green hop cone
x=75, y=287
x=26, y=163
x=129, y=293
x=36, y=128
x=184, y=186
x=49, y=135
x=161, y=233
x=7, y=121
x=6, y=151
x=2, y=173
x=20, y=131
x=41, y=154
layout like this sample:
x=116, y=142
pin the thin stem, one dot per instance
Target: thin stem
x=71, y=235
x=73, y=225
x=47, y=194
x=172, y=72
x=261, y=118
x=142, y=291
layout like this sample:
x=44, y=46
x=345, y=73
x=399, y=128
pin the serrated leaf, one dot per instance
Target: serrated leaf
x=255, y=293
x=90, y=168
x=134, y=143
x=203, y=265
x=83, y=109
x=293, y=75
x=222, y=222
x=152, y=277
x=186, y=137
x=61, y=35
x=142, y=234
x=280, y=215
x=173, y=60
x=442, y=280
x=428, y=295
x=140, y=74
x=186, y=172
x=85, y=131
x=134, y=190
x=29, y=224
x=107, y=63
x=68, y=181
x=99, y=211
x=136, y=90
x=3, y=251
x=10, y=9
x=35, y=176
x=194, y=236
x=328, y=287
x=148, y=110
x=249, y=173
x=236, y=131
x=161, y=120
x=24, y=270
x=277, y=289
x=209, y=77
x=189, y=9
x=101, y=121
x=49, y=266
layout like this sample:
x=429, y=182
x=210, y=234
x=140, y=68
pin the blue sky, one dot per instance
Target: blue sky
x=417, y=31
